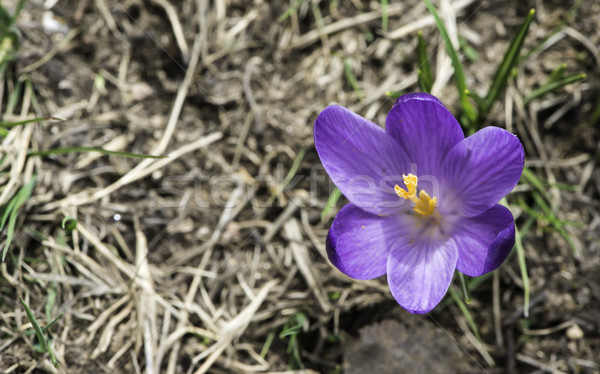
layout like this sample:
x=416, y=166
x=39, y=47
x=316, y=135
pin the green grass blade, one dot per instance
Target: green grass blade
x=352, y=79
x=18, y=10
x=384, y=15
x=424, y=73
x=395, y=94
x=480, y=101
x=530, y=178
x=51, y=301
x=36, y=326
x=459, y=73
x=52, y=356
x=52, y=322
x=267, y=345
x=464, y=287
x=14, y=97
x=558, y=73
x=540, y=197
x=290, y=175
x=523, y=268
x=334, y=7
x=294, y=327
x=7, y=125
x=469, y=51
x=45, y=345
x=463, y=308
x=290, y=10
x=472, y=284
x=558, y=224
x=331, y=202
x=551, y=86
x=7, y=210
x=62, y=151
x=539, y=212
x=566, y=20
x=508, y=62
x=4, y=18
x=11, y=211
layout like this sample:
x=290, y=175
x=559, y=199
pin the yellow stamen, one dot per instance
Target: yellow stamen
x=424, y=205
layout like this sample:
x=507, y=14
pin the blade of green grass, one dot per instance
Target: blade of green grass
x=331, y=202
x=352, y=79
x=530, y=178
x=464, y=287
x=564, y=186
x=291, y=331
x=36, y=326
x=542, y=216
x=558, y=73
x=542, y=185
x=384, y=15
x=558, y=224
x=19, y=123
x=290, y=175
x=334, y=7
x=51, y=301
x=551, y=86
x=472, y=284
x=62, y=151
x=541, y=197
x=18, y=10
x=52, y=356
x=14, y=97
x=459, y=74
x=463, y=308
x=469, y=51
x=10, y=213
x=395, y=94
x=294, y=327
x=4, y=18
x=508, y=62
x=267, y=345
x=568, y=19
x=290, y=10
x=424, y=72
x=524, y=275
x=45, y=345
x=52, y=322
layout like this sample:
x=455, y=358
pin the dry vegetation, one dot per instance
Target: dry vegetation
x=198, y=261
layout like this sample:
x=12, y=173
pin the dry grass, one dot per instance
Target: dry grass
x=193, y=262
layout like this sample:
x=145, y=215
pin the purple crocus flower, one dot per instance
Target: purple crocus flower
x=423, y=198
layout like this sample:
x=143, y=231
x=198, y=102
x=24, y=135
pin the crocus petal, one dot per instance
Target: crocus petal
x=426, y=130
x=358, y=242
x=484, y=241
x=483, y=168
x=361, y=159
x=419, y=273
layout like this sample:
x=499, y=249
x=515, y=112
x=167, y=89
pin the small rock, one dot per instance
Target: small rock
x=574, y=332
x=391, y=348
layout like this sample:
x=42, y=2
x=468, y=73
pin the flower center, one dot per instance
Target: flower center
x=424, y=205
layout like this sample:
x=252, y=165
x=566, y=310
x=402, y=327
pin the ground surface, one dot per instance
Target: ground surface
x=198, y=261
